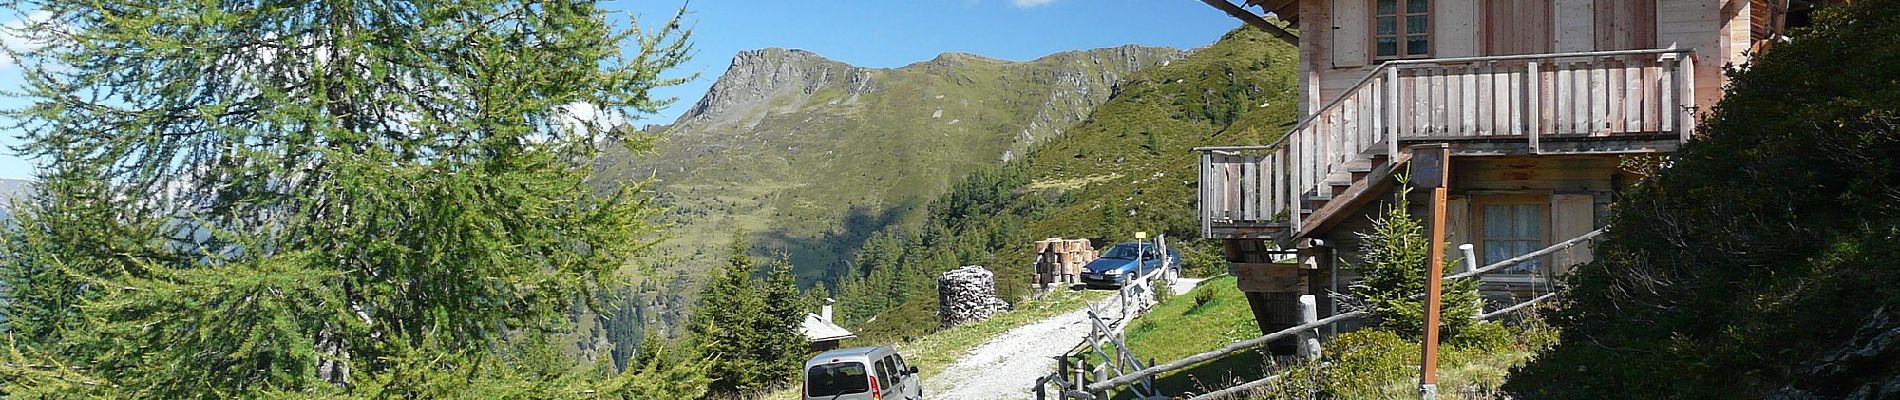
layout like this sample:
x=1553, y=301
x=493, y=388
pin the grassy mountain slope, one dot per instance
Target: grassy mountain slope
x=808, y=155
x=1127, y=168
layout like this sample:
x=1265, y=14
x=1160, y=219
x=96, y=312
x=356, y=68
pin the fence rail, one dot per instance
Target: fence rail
x=1147, y=374
x=1525, y=99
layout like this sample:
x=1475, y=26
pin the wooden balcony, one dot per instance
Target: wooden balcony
x=1613, y=102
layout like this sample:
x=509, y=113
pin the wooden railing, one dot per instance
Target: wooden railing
x=1527, y=99
x=1311, y=325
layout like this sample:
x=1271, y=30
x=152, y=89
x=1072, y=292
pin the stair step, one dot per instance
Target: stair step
x=1358, y=166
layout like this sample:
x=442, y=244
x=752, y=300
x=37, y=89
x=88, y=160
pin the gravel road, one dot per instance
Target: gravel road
x=1006, y=367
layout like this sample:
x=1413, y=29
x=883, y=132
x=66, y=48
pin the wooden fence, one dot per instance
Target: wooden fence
x=1310, y=327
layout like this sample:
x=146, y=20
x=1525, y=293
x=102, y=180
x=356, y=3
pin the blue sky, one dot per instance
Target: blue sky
x=878, y=33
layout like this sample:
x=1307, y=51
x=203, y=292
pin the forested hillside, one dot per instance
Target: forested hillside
x=808, y=156
x=1127, y=168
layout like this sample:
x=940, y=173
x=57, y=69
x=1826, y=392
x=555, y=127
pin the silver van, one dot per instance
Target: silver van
x=862, y=373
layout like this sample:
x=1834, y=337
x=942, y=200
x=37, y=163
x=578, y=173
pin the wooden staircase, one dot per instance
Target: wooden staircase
x=1344, y=153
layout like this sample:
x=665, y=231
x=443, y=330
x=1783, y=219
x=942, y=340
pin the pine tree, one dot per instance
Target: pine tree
x=748, y=328
x=1396, y=251
x=318, y=197
x=782, y=345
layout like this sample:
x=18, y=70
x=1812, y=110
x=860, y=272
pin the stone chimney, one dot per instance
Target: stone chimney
x=824, y=313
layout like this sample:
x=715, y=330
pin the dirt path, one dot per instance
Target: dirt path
x=1006, y=367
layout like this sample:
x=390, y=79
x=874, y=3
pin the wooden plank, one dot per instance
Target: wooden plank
x=1599, y=104
x=1571, y=215
x=1616, y=96
x=1501, y=100
x=1350, y=31
x=1633, y=96
x=1247, y=190
x=1207, y=186
x=1392, y=111
x=1468, y=101
x=1438, y=99
x=1516, y=100
x=1666, y=106
x=1533, y=113
x=1268, y=277
x=1458, y=220
x=1574, y=25
x=1686, y=119
x=1485, y=97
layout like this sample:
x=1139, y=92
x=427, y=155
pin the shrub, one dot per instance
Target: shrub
x=1396, y=251
x=1202, y=297
x=1758, y=262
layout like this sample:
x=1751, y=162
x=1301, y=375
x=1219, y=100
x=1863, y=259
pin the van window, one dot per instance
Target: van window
x=884, y=373
x=901, y=365
x=836, y=379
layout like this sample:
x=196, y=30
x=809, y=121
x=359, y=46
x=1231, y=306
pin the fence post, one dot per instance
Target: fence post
x=1471, y=263
x=1101, y=374
x=1042, y=388
x=1309, y=340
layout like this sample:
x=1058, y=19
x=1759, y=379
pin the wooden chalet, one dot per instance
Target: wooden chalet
x=1540, y=101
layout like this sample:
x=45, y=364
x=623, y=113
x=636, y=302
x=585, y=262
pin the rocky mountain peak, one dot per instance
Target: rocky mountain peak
x=757, y=75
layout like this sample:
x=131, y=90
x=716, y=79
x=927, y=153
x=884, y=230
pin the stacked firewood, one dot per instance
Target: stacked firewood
x=1060, y=260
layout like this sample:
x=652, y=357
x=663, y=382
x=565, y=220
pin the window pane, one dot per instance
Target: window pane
x=1497, y=221
x=1415, y=24
x=1417, y=6
x=1529, y=226
x=1417, y=45
x=1388, y=26
x=1388, y=46
x=1388, y=7
x=1527, y=247
x=1495, y=251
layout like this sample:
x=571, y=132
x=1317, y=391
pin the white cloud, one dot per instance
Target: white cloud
x=1030, y=3
x=14, y=35
x=582, y=118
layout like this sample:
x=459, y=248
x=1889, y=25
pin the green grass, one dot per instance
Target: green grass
x=1364, y=365
x=1179, y=328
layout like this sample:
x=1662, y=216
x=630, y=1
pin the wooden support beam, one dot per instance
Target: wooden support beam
x=1254, y=20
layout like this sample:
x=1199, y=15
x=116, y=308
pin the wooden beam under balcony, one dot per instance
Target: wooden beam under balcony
x=1255, y=20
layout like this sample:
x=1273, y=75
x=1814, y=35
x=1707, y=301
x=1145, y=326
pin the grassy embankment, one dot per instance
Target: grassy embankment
x=1369, y=364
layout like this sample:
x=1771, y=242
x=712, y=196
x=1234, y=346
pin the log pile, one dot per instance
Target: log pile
x=966, y=295
x=1060, y=260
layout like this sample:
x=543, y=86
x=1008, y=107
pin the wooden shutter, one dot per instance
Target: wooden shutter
x=1457, y=222
x=1351, y=33
x=1517, y=27
x=1571, y=215
x=1625, y=24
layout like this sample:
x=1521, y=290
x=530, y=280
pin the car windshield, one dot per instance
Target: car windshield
x=836, y=379
x=1125, y=252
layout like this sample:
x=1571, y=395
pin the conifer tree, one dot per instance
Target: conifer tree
x=748, y=327
x=318, y=196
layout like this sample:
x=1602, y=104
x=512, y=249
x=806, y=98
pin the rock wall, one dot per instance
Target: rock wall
x=966, y=295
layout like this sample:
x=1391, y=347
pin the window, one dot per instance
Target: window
x=836, y=379
x=1511, y=226
x=884, y=374
x=1401, y=29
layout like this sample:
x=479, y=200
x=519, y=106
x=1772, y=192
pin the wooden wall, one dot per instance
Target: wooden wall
x=1336, y=34
x=1579, y=188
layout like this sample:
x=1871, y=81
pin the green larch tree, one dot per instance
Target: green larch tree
x=363, y=198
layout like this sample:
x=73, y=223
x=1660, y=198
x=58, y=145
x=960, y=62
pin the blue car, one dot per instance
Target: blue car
x=1126, y=260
